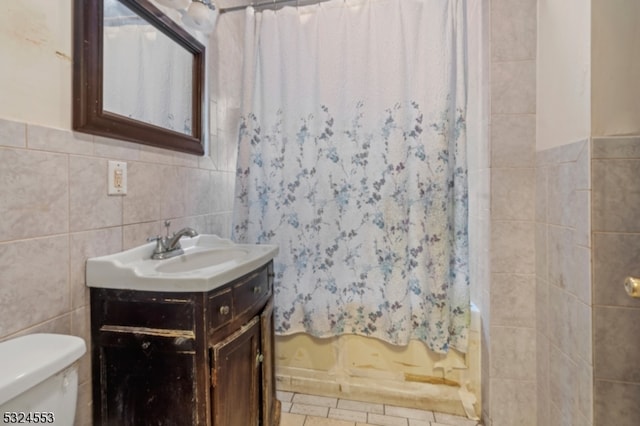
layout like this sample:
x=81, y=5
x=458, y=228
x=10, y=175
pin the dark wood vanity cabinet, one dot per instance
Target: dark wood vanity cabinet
x=193, y=358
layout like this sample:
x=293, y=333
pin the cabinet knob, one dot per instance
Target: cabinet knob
x=257, y=289
x=632, y=286
x=224, y=310
x=259, y=358
x=145, y=345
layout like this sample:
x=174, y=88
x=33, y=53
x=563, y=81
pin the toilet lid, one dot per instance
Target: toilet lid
x=28, y=360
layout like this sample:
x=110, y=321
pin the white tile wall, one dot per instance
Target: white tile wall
x=56, y=213
x=509, y=310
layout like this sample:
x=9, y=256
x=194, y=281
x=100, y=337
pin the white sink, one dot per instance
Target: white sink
x=207, y=263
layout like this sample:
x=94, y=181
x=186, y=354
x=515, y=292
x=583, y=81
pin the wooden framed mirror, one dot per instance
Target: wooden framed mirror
x=137, y=75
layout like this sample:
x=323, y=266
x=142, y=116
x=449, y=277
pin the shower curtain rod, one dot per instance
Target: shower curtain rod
x=273, y=4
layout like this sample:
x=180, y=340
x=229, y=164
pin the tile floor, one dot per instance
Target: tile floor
x=310, y=410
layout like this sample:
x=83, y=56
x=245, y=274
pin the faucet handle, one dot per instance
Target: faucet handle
x=160, y=243
x=167, y=224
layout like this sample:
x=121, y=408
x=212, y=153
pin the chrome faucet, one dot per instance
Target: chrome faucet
x=169, y=246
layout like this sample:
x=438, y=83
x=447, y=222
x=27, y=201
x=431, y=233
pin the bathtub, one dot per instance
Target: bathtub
x=368, y=369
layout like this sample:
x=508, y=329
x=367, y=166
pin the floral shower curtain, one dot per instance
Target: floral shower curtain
x=352, y=158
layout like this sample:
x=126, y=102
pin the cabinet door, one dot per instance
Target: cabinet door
x=235, y=391
x=269, y=411
x=145, y=380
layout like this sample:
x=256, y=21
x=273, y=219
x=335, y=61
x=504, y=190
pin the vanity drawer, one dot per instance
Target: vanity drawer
x=251, y=291
x=156, y=310
x=220, y=306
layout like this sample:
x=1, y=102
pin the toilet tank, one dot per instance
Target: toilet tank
x=38, y=373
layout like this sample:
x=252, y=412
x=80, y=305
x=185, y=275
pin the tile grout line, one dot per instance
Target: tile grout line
x=334, y=402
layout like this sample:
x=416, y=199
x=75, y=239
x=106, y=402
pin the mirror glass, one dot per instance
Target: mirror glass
x=137, y=76
x=147, y=76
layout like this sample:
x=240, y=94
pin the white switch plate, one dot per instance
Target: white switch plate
x=117, y=178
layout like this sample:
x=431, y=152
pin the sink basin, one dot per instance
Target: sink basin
x=201, y=259
x=208, y=262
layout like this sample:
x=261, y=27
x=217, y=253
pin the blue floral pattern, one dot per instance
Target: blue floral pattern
x=371, y=222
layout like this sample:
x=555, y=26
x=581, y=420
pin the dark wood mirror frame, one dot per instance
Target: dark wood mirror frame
x=88, y=114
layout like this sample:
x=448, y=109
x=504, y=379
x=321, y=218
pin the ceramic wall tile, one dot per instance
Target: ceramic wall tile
x=581, y=272
x=512, y=300
x=201, y=223
x=568, y=153
x=615, y=242
x=485, y=385
x=214, y=152
x=582, y=351
x=513, y=353
x=542, y=379
x=541, y=194
x=59, y=325
x=81, y=327
x=115, y=149
x=616, y=403
x=561, y=194
x=186, y=160
x=615, y=195
x=581, y=218
x=34, y=194
x=200, y=184
x=174, y=191
x=513, y=30
x=562, y=320
x=615, y=257
x=513, y=402
x=34, y=284
x=513, y=194
x=585, y=392
x=90, y=205
x=144, y=186
x=513, y=89
x=13, y=134
x=84, y=412
x=56, y=140
x=560, y=257
x=153, y=154
x=230, y=121
x=513, y=247
x=83, y=245
x=563, y=386
x=545, y=158
x=230, y=185
x=616, y=147
x=542, y=307
x=541, y=247
x=618, y=346
x=222, y=155
x=213, y=114
x=230, y=139
x=219, y=191
x=583, y=167
x=207, y=162
x=136, y=234
x=555, y=416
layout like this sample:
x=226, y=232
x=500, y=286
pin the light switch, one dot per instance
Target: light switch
x=117, y=178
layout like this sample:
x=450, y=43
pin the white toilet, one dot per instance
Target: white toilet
x=39, y=374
